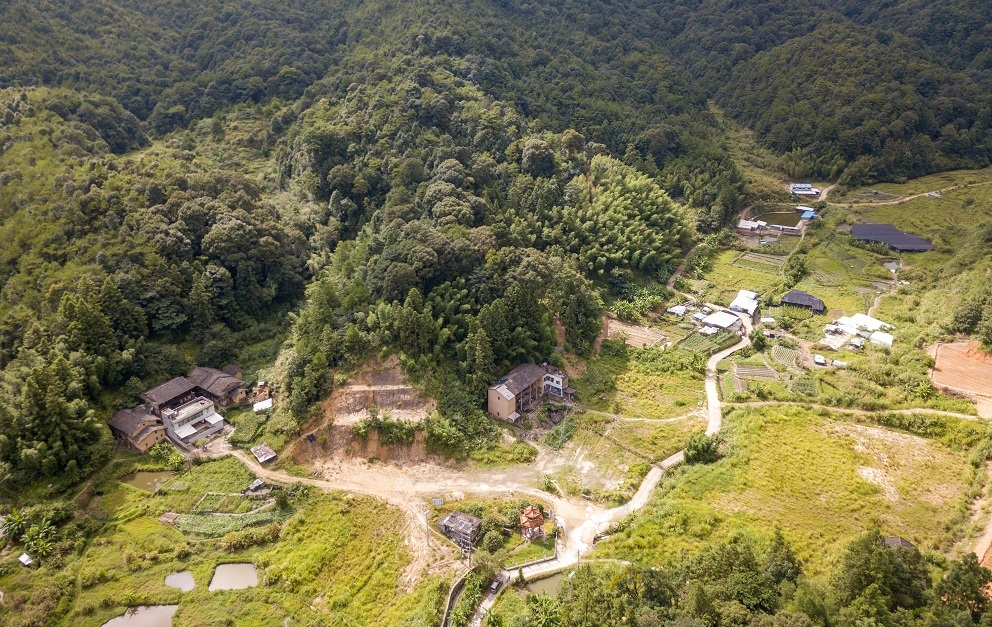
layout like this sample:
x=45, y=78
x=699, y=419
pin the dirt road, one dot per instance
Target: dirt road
x=581, y=521
x=906, y=199
x=678, y=271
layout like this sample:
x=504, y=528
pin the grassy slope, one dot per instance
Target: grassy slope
x=323, y=565
x=789, y=468
x=760, y=167
x=615, y=384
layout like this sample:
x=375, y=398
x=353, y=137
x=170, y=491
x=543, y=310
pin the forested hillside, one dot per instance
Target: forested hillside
x=371, y=147
x=179, y=171
x=309, y=188
x=888, y=90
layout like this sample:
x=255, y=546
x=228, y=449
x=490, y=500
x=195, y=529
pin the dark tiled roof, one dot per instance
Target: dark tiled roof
x=213, y=381
x=232, y=370
x=522, y=377
x=891, y=236
x=802, y=299
x=462, y=522
x=169, y=390
x=896, y=542
x=128, y=420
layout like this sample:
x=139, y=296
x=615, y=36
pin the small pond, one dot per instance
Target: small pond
x=145, y=616
x=550, y=585
x=233, y=577
x=150, y=481
x=783, y=218
x=183, y=581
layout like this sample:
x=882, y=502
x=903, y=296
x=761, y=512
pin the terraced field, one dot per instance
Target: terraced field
x=785, y=356
x=762, y=263
x=708, y=344
x=745, y=371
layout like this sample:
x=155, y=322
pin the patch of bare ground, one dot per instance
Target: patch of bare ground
x=636, y=336
x=380, y=385
x=876, y=476
x=897, y=461
x=963, y=368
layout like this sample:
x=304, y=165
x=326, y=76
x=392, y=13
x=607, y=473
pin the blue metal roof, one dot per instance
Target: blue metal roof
x=808, y=215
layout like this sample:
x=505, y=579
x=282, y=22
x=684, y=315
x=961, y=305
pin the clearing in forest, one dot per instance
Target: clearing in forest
x=636, y=336
x=383, y=386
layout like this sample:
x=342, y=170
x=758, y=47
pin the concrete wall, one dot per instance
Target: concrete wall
x=500, y=406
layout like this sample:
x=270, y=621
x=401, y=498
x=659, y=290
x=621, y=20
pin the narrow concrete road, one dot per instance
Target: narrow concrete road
x=714, y=408
x=580, y=522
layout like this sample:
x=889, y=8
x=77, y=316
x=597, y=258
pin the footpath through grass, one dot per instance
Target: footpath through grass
x=822, y=480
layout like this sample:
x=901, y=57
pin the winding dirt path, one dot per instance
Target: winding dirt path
x=580, y=522
x=906, y=199
x=681, y=269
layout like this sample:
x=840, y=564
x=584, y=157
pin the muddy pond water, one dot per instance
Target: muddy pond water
x=550, y=585
x=150, y=481
x=145, y=616
x=233, y=577
x=783, y=218
x=183, y=580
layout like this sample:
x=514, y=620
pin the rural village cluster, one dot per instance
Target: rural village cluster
x=186, y=411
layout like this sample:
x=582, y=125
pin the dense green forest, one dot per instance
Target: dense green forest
x=383, y=163
x=762, y=584
x=451, y=187
x=461, y=184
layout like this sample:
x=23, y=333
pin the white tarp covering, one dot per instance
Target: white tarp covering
x=722, y=320
x=882, y=338
x=861, y=321
x=185, y=431
x=262, y=405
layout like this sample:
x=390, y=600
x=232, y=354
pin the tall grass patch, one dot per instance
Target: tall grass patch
x=823, y=479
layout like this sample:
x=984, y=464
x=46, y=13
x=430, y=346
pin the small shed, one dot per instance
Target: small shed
x=677, y=310
x=723, y=320
x=532, y=522
x=169, y=518
x=262, y=406
x=25, y=560
x=263, y=453
x=255, y=486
